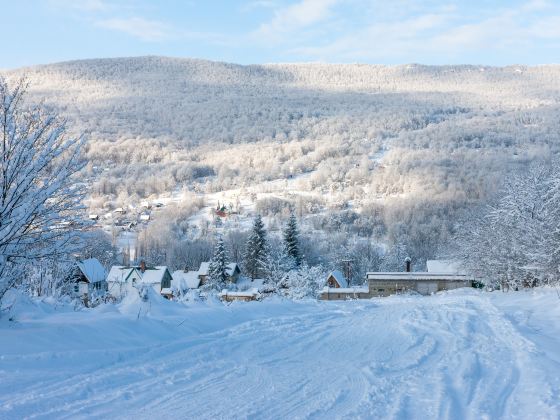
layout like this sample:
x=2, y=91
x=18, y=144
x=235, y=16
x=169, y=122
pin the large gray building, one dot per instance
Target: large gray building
x=441, y=275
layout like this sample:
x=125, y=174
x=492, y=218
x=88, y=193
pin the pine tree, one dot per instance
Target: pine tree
x=291, y=240
x=217, y=271
x=256, y=250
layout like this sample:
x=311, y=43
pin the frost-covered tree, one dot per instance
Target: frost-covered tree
x=97, y=244
x=291, y=239
x=394, y=258
x=217, y=271
x=40, y=199
x=256, y=250
x=514, y=240
x=277, y=266
x=304, y=282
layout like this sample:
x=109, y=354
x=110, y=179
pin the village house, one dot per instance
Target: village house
x=232, y=271
x=441, y=275
x=123, y=279
x=336, y=280
x=184, y=280
x=88, y=278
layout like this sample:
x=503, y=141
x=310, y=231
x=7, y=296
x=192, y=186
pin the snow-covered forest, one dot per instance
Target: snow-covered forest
x=381, y=160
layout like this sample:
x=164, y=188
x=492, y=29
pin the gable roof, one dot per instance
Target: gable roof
x=119, y=273
x=92, y=270
x=152, y=275
x=231, y=269
x=185, y=280
x=204, y=268
x=339, y=278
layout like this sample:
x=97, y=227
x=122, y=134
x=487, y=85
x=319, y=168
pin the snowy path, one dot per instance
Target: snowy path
x=461, y=355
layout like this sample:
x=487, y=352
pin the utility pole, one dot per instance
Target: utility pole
x=347, y=264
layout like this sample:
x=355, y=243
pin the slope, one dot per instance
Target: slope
x=458, y=355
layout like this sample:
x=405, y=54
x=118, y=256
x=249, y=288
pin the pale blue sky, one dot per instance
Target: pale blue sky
x=494, y=32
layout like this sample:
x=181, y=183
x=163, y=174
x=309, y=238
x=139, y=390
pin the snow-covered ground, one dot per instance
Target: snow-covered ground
x=465, y=354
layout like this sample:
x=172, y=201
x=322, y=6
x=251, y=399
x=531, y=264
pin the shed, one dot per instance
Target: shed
x=344, y=293
x=244, y=296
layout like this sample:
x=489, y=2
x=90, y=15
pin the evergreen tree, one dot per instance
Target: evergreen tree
x=291, y=239
x=217, y=271
x=256, y=250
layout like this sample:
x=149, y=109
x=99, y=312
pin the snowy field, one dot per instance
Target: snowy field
x=456, y=355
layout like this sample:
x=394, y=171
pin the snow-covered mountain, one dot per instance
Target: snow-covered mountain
x=199, y=101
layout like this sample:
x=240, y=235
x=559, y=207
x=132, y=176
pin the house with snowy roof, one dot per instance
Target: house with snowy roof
x=336, y=280
x=123, y=279
x=183, y=281
x=88, y=277
x=232, y=271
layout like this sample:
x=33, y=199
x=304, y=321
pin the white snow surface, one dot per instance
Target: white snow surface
x=463, y=354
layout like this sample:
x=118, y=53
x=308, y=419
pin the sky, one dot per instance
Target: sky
x=489, y=32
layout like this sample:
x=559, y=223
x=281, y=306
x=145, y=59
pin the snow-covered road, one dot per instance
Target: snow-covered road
x=459, y=355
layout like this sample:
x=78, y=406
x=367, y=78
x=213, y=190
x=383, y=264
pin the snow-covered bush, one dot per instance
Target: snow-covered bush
x=303, y=282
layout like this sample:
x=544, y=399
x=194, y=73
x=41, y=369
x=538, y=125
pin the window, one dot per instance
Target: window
x=76, y=288
x=381, y=290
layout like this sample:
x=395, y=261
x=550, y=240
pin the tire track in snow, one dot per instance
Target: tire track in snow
x=448, y=356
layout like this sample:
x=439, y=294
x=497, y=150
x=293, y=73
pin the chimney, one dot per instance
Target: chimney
x=408, y=264
x=142, y=266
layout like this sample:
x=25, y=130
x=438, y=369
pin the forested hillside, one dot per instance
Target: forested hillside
x=392, y=154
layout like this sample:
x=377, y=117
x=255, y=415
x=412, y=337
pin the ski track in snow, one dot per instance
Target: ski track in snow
x=452, y=356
